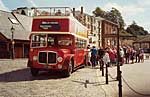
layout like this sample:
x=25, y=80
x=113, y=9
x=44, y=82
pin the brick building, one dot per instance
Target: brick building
x=109, y=33
x=101, y=32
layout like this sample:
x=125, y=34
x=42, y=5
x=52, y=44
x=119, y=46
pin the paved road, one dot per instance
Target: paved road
x=16, y=81
x=137, y=77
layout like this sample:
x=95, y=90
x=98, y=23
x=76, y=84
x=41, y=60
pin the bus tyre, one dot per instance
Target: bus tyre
x=69, y=70
x=34, y=71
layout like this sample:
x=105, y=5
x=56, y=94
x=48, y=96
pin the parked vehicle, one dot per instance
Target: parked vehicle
x=146, y=50
x=57, y=42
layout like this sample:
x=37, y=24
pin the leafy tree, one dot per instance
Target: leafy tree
x=113, y=15
x=136, y=29
x=99, y=12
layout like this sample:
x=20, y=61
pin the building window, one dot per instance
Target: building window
x=13, y=21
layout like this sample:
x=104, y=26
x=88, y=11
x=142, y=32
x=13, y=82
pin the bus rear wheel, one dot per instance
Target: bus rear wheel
x=34, y=71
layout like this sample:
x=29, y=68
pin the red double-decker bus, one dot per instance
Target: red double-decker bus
x=57, y=42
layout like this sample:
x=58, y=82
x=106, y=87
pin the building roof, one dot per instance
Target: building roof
x=20, y=23
x=145, y=38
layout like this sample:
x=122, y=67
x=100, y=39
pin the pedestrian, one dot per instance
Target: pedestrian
x=106, y=58
x=93, y=56
x=121, y=56
x=141, y=55
x=127, y=54
x=112, y=56
x=137, y=53
x=88, y=56
x=132, y=55
x=101, y=53
x=115, y=52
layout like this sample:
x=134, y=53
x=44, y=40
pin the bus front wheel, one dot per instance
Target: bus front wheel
x=68, y=72
x=34, y=71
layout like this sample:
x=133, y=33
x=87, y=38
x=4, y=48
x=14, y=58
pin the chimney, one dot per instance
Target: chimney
x=81, y=9
x=74, y=12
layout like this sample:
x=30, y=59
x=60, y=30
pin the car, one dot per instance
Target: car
x=146, y=50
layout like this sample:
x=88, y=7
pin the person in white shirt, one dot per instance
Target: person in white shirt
x=121, y=56
x=88, y=56
x=106, y=58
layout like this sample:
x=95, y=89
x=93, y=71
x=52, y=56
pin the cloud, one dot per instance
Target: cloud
x=3, y=7
x=129, y=12
x=31, y=2
x=132, y=12
x=126, y=10
x=144, y=4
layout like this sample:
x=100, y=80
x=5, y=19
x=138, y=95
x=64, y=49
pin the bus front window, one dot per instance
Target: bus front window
x=63, y=41
x=38, y=40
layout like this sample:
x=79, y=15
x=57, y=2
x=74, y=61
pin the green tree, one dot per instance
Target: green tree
x=135, y=29
x=113, y=15
x=99, y=12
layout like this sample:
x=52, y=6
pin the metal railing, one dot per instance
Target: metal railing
x=52, y=11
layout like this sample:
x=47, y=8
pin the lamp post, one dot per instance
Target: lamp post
x=118, y=62
x=12, y=42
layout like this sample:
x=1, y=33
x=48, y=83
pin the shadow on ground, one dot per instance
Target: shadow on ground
x=94, y=83
x=24, y=75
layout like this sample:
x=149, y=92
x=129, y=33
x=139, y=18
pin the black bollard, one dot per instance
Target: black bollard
x=102, y=69
x=106, y=73
x=120, y=84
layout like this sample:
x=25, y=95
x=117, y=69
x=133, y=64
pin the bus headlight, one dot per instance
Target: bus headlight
x=35, y=58
x=59, y=59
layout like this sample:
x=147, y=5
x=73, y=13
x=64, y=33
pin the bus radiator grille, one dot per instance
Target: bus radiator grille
x=47, y=57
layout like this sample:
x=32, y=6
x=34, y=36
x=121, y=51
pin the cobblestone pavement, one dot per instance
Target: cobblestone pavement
x=16, y=81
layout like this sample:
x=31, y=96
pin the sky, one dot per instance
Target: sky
x=131, y=10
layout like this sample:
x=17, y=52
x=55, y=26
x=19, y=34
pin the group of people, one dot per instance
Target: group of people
x=135, y=55
x=109, y=56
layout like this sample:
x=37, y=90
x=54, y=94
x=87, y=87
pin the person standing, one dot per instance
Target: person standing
x=121, y=56
x=132, y=55
x=137, y=53
x=141, y=56
x=88, y=56
x=127, y=55
x=93, y=56
x=106, y=58
x=101, y=53
x=111, y=56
